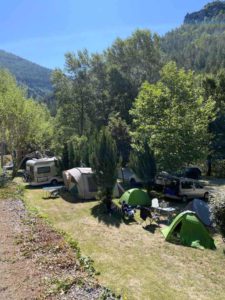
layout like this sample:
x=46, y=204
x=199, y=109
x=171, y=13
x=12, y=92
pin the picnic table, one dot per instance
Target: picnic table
x=52, y=191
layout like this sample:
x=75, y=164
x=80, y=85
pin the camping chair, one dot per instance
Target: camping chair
x=145, y=213
x=169, y=211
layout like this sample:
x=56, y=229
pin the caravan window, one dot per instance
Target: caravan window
x=92, y=184
x=43, y=170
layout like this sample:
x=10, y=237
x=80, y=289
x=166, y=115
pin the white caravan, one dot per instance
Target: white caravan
x=43, y=171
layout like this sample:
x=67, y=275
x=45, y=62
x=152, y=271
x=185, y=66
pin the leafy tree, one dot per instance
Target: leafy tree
x=143, y=164
x=25, y=124
x=214, y=86
x=173, y=117
x=137, y=57
x=103, y=160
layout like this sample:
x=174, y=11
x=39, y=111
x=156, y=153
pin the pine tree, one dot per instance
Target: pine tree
x=65, y=157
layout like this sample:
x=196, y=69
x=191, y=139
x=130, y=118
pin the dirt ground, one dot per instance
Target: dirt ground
x=20, y=279
x=37, y=263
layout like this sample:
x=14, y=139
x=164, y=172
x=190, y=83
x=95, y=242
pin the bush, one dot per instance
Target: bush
x=217, y=208
x=218, y=168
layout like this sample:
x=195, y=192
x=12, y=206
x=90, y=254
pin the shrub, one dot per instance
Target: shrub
x=218, y=168
x=217, y=208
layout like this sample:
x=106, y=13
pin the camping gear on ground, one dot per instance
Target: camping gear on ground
x=187, y=229
x=135, y=197
x=146, y=213
x=53, y=192
x=80, y=182
x=127, y=211
x=43, y=171
x=169, y=211
x=201, y=209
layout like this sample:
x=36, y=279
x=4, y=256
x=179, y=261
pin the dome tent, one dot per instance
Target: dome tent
x=189, y=230
x=201, y=209
x=135, y=197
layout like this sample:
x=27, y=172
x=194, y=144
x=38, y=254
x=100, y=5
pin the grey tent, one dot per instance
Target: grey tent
x=201, y=209
x=81, y=182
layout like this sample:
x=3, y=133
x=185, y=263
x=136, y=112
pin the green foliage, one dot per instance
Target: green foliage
x=218, y=168
x=93, y=87
x=65, y=157
x=199, y=44
x=217, y=209
x=143, y=164
x=32, y=76
x=173, y=117
x=137, y=57
x=71, y=155
x=24, y=124
x=215, y=87
x=103, y=160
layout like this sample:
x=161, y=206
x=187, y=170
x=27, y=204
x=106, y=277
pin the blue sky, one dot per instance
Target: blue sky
x=44, y=30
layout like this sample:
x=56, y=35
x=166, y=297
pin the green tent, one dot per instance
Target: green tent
x=189, y=230
x=135, y=197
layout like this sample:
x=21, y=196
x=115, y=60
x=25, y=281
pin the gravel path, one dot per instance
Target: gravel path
x=37, y=263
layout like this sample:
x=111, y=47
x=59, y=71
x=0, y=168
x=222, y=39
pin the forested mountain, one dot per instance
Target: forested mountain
x=31, y=75
x=212, y=12
x=199, y=44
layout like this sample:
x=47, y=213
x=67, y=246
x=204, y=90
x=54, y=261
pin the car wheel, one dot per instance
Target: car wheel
x=206, y=196
x=54, y=182
x=184, y=198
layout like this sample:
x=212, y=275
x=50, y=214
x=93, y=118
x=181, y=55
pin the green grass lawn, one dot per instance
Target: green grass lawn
x=132, y=261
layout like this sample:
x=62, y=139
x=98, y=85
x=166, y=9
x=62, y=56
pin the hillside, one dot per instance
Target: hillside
x=199, y=44
x=31, y=75
x=212, y=12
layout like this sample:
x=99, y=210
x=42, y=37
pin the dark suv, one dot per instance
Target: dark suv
x=190, y=172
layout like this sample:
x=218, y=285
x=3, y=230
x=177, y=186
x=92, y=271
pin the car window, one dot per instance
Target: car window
x=198, y=185
x=187, y=185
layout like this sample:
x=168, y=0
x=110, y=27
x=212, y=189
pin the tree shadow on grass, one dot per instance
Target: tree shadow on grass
x=114, y=218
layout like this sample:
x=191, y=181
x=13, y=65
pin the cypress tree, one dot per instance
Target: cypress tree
x=103, y=160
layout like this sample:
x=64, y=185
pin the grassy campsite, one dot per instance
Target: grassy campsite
x=135, y=262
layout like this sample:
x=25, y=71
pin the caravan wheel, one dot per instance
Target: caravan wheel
x=54, y=182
